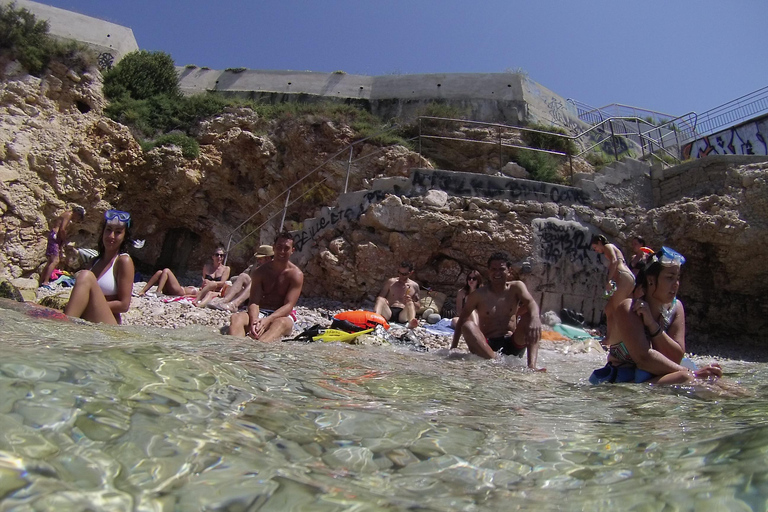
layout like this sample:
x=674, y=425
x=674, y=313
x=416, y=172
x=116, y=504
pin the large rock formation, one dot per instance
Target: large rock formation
x=56, y=148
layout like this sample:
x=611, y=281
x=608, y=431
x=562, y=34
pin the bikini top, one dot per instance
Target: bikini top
x=107, y=281
x=211, y=278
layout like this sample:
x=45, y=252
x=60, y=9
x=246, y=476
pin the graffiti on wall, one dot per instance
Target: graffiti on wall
x=105, y=61
x=494, y=187
x=561, y=240
x=746, y=139
x=332, y=217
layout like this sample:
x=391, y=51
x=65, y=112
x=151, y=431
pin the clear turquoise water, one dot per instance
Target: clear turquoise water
x=99, y=418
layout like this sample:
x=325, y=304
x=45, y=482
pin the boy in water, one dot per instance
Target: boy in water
x=57, y=237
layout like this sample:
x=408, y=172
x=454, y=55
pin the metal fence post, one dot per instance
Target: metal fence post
x=613, y=140
x=285, y=210
x=349, y=166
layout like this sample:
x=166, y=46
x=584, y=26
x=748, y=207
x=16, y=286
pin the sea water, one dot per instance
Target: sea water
x=126, y=418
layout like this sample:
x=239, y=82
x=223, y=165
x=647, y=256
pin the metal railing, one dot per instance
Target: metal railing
x=730, y=113
x=650, y=138
x=287, y=192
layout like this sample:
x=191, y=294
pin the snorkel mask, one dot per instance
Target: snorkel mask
x=667, y=256
x=119, y=216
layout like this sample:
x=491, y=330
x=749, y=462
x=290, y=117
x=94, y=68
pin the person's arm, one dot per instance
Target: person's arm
x=460, y=301
x=469, y=307
x=125, y=272
x=671, y=342
x=384, y=293
x=613, y=267
x=225, y=274
x=253, y=301
x=632, y=333
x=415, y=296
x=531, y=309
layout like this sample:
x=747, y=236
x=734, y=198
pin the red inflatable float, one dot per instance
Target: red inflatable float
x=362, y=319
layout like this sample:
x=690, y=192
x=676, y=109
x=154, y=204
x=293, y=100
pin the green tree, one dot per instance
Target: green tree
x=25, y=38
x=141, y=75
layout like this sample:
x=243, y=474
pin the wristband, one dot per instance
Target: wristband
x=657, y=332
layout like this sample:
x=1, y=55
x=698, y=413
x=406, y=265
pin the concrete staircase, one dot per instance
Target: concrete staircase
x=622, y=183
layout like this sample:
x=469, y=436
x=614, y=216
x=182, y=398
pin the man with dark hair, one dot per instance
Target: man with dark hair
x=498, y=305
x=275, y=288
x=399, y=298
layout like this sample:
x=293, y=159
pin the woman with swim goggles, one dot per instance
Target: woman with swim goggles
x=651, y=329
x=102, y=293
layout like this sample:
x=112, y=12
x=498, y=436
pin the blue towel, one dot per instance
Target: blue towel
x=441, y=328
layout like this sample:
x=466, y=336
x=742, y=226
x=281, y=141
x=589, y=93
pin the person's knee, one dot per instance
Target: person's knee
x=84, y=277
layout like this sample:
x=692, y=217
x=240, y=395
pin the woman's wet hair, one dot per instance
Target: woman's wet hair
x=651, y=267
x=598, y=238
x=127, y=241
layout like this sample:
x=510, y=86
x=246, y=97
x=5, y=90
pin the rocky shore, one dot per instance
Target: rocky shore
x=169, y=312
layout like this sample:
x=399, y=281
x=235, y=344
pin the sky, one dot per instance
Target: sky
x=670, y=56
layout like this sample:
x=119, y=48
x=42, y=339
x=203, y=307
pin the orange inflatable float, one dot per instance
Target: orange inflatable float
x=362, y=319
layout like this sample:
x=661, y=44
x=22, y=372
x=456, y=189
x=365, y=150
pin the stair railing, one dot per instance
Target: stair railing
x=287, y=192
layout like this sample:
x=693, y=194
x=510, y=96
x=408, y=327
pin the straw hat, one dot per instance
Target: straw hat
x=264, y=251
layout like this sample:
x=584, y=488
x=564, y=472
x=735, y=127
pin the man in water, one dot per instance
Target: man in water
x=275, y=288
x=399, y=298
x=498, y=304
x=57, y=237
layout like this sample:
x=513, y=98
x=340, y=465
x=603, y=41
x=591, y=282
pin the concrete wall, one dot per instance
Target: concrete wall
x=696, y=178
x=745, y=139
x=110, y=40
x=492, y=97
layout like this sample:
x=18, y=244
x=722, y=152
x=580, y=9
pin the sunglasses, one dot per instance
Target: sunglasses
x=219, y=254
x=471, y=278
x=403, y=274
x=118, y=215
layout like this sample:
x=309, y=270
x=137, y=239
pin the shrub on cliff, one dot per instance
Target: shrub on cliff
x=548, y=137
x=189, y=146
x=25, y=39
x=142, y=75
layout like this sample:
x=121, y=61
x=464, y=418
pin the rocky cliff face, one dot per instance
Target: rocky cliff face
x=57, y=148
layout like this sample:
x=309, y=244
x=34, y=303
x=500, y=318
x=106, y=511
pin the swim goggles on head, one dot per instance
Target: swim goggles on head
x=667, y=256
x=118, y=215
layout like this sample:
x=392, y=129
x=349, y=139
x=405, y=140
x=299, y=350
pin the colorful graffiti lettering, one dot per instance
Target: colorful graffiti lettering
x=745, y=139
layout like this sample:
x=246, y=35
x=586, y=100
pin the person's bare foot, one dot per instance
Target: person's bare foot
x=413, y=323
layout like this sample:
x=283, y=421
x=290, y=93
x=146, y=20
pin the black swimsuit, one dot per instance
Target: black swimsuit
x=211, y=278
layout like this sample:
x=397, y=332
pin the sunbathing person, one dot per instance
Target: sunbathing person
x=215, y=277
x=238, y=293
x=651, y=330
x=168, y=284
x=275, y=289
x=398, y=300
x=498, y=305
x=102, y=293
x=474, y=281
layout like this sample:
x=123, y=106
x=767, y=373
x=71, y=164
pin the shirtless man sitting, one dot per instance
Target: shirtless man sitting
x=399, y=298
x=275, y=288
x=498, y=304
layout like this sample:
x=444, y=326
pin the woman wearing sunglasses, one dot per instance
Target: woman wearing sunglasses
x=102, y=293
x=168, y=284
x=215, y=275
x=474, y=280
x=650, y=341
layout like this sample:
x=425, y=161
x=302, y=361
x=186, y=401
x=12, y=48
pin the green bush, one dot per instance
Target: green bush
x=189, y=146
x=542, y=166
x=551, y=140
x=25, y=39
x=141, y=75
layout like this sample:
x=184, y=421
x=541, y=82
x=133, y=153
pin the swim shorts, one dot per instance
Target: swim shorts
x=396, y=314
x=506, y=344
x=53, y=248
x=625, y=373
x=264, y=313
